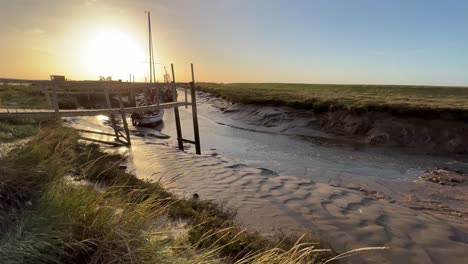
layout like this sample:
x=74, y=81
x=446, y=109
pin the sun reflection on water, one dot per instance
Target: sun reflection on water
x=102, y=117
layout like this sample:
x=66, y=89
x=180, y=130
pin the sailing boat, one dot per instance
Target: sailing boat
x=154, y=116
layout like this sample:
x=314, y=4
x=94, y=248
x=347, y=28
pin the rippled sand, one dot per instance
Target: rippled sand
x=420, y=222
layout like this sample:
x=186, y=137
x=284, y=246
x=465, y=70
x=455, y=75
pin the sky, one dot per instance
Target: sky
x=420, y=42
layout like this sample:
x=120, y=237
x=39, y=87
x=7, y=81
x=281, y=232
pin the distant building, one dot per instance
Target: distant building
x=57, y=78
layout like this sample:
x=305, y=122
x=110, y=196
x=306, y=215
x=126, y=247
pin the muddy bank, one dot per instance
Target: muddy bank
x=423, y=135
x=421, y=222
x=384, y=129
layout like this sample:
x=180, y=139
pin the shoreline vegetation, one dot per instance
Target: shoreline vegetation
x=64, y=201
x=434, y=102
x=428, y=119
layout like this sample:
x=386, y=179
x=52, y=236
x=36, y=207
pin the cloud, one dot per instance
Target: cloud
x=89, y=2
x=27, y=31
x=36, y=31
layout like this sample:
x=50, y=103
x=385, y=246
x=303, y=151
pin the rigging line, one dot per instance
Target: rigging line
x=149, y=46
x=152, y=56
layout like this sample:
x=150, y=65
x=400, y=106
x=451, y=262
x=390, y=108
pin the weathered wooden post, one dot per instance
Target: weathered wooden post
x=132, y=96
x=47, y=95
x=146, y=93
x=129, y=95
x=196, y=132
x=56, y=104
x=108, y=101
x=176, y=111
x=157, y=94
x=124, y=120
x=111, y=116
x=186, y=100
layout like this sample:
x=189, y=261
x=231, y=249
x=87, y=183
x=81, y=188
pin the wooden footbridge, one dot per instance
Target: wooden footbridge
x=53, y=89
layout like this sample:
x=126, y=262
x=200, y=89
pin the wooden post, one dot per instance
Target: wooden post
x=132, y=96
x=196, y=132
x=129, y=95
x=47, y=95
x=124, y=120
x=108, y=101
x=157, y=94
x=111, y=116
x=176, y=111
x=146, y=95
x=186, y=96
x=56, y=104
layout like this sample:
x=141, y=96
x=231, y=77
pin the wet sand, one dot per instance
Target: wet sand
x=420, y=222
x=346, y=217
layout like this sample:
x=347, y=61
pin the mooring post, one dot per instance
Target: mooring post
x=146, y=92
x=176, y=111
x=157, y=94
x=56, y=104
x=108, y=101
x=129, y=95
x=186, y=100
x=196, y=132
x=124, y=120
x=111, y=116
x=132, y=96
x=47, y=95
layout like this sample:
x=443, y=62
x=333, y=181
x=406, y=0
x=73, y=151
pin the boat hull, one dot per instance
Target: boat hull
x=147, y=119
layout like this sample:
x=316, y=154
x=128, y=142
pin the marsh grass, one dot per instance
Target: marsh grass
x=31, y=97
x=21, y=96
x=66, y=202
x=47, y=219
x=15, y=129
x=397, y=99
x=212, y=227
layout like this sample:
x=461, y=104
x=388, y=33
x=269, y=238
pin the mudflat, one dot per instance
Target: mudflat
x=421, y=222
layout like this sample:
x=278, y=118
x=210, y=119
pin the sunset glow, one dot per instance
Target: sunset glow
x=239, y=41
x=114, y=53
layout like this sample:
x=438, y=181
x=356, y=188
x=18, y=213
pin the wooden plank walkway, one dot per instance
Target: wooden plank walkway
x=115, y=85
x=107, y=88
x=47, y=113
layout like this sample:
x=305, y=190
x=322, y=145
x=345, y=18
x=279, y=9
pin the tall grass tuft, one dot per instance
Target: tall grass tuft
x=66, y=202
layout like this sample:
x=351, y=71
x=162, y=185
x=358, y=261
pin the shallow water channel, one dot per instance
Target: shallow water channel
x=300, y=184
x=312, y=157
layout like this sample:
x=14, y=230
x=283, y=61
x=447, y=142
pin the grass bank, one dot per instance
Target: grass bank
x=32, y=97
x=63, y=201
x=21, y=96
x=14, y=129
x=434, y=101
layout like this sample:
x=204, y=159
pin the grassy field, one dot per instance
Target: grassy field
x=324, y=97
x=14, y=129
x=32, y=96
x=68, y=202
x=28, y=96
x=20, y=96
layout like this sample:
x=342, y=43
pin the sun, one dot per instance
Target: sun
x=115, y=54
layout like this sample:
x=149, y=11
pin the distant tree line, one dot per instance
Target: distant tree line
x=105, y=79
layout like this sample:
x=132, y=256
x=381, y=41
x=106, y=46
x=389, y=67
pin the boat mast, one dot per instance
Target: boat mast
x=150, y=50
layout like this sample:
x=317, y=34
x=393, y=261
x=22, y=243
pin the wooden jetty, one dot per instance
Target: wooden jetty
x=53, y=89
